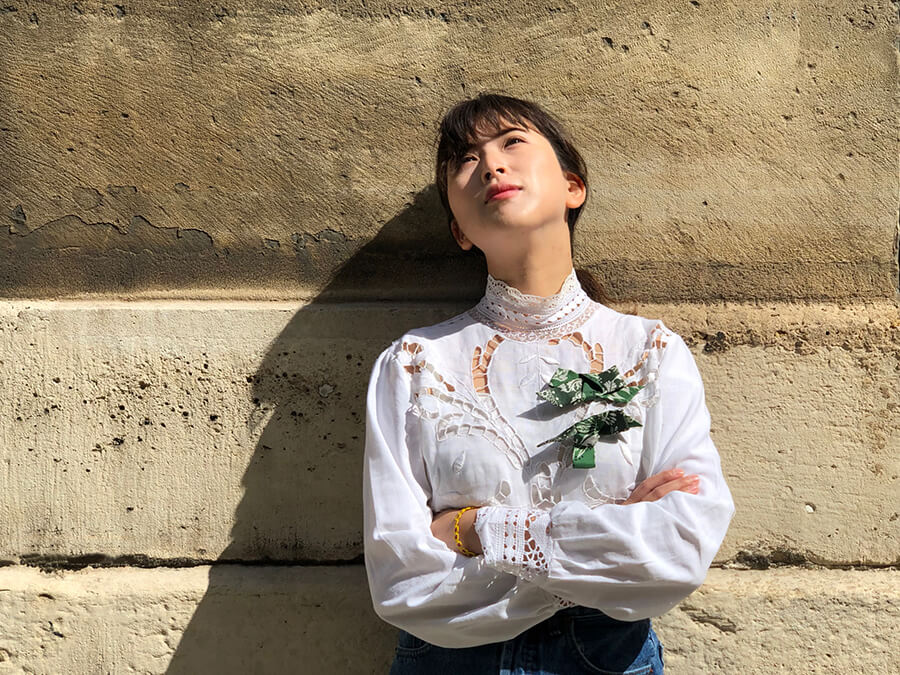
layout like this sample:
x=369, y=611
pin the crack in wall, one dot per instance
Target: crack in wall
x=72, y=231
x=785, y=557
x=48, y=563
x=702, y=616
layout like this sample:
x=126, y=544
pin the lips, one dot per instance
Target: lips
x=499, y=189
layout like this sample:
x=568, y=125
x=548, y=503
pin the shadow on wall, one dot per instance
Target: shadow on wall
x=302, y=502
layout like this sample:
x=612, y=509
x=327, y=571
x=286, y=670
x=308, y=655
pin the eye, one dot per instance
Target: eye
x=514, y=138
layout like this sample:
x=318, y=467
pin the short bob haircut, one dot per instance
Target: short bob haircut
x=485, y=114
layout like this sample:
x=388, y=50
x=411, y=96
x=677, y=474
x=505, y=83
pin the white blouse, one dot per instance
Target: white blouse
x=453, y=420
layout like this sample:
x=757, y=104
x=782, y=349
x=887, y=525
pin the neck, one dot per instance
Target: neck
x=542, y=274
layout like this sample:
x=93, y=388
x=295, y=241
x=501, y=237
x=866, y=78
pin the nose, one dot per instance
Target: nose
x=493, y=164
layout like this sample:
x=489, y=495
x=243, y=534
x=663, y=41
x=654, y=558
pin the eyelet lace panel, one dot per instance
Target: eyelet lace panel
x=474, y=412
x=515, y=540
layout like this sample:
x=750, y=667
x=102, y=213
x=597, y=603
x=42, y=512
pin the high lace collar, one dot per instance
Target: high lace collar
x=533, y=317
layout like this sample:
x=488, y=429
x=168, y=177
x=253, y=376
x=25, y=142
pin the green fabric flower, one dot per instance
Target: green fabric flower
x=567, y=387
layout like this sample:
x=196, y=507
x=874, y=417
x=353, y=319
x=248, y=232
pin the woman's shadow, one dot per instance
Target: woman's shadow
x=288, y=594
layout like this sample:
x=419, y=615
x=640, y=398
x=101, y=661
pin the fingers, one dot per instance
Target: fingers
x=653, y=482
x=686, y=484
x=661, y=484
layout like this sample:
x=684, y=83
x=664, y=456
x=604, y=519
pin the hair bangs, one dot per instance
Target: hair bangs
x=463, y=125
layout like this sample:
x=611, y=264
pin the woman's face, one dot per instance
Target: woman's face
x=520, y=157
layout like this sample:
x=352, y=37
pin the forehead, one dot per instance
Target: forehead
x=486, y=129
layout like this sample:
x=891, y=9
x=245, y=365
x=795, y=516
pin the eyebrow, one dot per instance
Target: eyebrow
x=503, y=131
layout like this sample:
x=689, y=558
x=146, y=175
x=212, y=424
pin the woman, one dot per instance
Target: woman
x=539, y=477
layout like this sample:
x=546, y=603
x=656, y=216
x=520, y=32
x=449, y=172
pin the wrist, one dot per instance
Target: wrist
x=467, y=531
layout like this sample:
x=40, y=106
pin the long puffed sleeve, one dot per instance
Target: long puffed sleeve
x=417, y=583
x=638, y=560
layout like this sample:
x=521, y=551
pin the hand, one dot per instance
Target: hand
x=442, y=528
x=661, y=484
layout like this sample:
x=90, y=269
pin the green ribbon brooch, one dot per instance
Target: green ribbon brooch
x=567, y=387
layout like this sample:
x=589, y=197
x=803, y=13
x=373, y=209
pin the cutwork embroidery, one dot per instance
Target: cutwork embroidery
x=501, y=496
x=650, y=356
x=594, y=355
x=594, y=496
x=481, y=417
x=469, y=416
x=542, y=488
x=530, y=370
x=481, y=359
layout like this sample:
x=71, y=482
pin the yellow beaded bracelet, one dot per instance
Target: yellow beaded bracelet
x=463, y=549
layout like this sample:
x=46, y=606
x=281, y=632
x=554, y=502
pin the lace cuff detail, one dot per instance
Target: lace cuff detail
x=516, y=541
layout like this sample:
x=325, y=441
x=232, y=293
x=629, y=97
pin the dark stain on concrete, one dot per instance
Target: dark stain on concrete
x=780, y=557
x=716, y=343
x=18, y=217
x=120, y=190
x=327, y=236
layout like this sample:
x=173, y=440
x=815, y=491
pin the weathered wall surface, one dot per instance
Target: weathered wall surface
x=213, y=217
x=275, y=620
x=738, y=151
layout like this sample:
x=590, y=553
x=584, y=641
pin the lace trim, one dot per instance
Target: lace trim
x=524, y=304
x=514, y=540
x=535, y=334
x=529, y=318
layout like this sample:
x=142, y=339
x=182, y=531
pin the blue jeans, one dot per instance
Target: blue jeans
x=573, y=641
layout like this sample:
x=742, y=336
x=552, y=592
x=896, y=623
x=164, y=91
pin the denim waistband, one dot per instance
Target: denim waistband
x=579, y=610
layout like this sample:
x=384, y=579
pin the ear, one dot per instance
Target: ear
x=577, y=192
x=460, y=236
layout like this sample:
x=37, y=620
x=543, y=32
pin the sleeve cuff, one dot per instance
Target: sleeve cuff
x=516, y=541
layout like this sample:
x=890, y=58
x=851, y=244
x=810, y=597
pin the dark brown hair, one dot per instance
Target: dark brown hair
x=484, y=113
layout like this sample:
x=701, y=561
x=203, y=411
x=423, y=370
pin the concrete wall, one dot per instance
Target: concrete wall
x=213, y=217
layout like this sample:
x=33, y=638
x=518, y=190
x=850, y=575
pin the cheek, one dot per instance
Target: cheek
x=456, y=196
x=452, y=191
